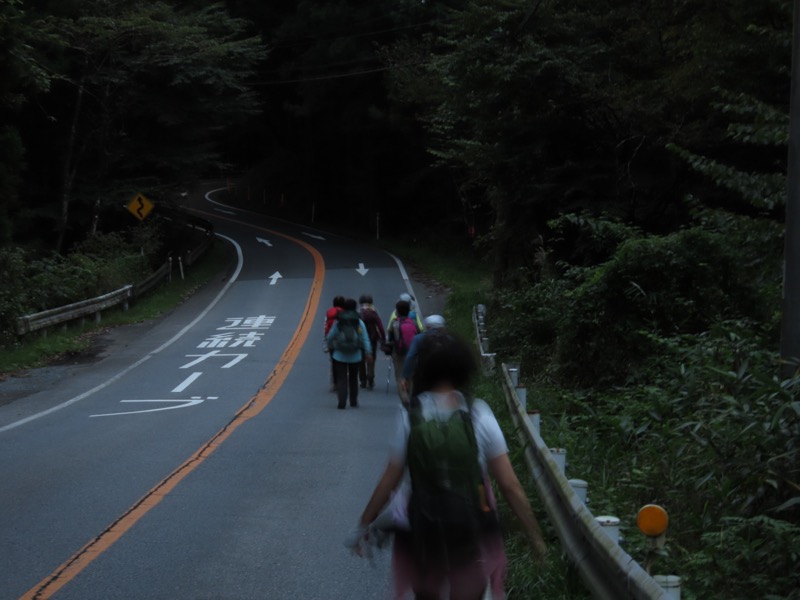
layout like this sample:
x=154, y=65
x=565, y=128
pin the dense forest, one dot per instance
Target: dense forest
x=621, y=164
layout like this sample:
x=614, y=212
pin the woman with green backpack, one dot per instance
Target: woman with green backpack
x=441, y=509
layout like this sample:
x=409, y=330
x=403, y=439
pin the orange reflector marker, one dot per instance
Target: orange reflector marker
x=652, y=520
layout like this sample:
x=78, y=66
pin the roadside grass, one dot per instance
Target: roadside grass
x=466, y=277
x=469, y=282
x=36, y=349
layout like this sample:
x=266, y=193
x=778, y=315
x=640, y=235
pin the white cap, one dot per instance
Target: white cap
x=408, y=298
x=434, y=322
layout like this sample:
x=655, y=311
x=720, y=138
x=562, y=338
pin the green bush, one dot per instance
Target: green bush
x=713, y=435
x=747, y=558
x=593, y=325
x=101, y=264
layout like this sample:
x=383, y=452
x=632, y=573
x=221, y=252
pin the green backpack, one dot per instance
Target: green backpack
x=448, y=511
x=347, y=338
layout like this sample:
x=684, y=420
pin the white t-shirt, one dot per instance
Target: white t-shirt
x=491, y=442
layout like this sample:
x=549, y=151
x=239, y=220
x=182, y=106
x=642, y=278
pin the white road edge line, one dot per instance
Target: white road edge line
x=409, y=287
x=165, y=345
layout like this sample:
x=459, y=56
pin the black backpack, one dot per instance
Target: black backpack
x=448, y=511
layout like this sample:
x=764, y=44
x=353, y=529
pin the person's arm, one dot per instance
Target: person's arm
x=390, y=479
x=381, y=329
x=365, y=343
x=503, y=473
x=331, y=332
x=410, y=361
x=392, y=319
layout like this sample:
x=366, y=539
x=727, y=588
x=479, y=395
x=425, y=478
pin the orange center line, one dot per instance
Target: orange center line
x=111, y=534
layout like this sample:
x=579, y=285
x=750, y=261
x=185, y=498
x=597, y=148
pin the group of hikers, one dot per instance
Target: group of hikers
x=434, y=502
x=354, y=334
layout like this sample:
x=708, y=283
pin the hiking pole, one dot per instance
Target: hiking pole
x=388, y=376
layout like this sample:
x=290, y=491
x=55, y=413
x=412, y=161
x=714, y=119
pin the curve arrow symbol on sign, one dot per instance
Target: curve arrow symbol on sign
x=361, y=269
x=263, y=241
x=274, y=278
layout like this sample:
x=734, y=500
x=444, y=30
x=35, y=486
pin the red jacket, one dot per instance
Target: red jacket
x=330, y=317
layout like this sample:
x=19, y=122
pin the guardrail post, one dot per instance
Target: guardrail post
x=610, y=525
x=180, y=266
x=522, y=397
x=536, y=420
x=671, y=584
x=169, y=275
x=560, y=456
x=579, y=486
x=513, y=373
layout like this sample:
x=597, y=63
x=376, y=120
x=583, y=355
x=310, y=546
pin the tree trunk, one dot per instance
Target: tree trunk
x=69, y=166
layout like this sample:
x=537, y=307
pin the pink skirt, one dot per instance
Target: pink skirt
x=464, y=582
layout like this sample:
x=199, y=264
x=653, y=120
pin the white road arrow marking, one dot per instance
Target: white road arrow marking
x=316, y=237
x=175, y=404
x=274, y=278
x=186, y=383
x=363, y=271
x=263, y=241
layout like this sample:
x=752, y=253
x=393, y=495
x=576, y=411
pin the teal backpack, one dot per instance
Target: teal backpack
x=347, y=338
x=448, y=511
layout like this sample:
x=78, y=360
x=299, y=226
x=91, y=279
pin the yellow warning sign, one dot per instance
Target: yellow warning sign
x=140, y=207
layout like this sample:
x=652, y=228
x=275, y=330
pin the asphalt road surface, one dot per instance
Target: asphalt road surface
x=203, y=456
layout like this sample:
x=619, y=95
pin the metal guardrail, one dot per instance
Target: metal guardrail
x=608, y=572
x=479, y=319
x=193, y=256
x=163, y=272
x=77, y=310
x=94, y=306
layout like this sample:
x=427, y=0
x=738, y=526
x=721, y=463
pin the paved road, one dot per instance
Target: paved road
x=203, y=457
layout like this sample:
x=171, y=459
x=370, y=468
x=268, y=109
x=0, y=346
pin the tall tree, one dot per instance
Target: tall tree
x=545, y=108
x=143, y=91
x=334, y=144
x=22, y=76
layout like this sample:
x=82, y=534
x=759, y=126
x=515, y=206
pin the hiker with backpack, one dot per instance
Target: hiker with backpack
x=412, y=311
x=330, y=319
x=400, y=333
x=377, y=338
x=349, y=345
x=432, y=323
x=447, y=539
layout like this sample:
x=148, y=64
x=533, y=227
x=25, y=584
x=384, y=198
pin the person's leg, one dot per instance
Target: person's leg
x=362, y=372
x=398, y=375
x=370, y=367
x=352, y=377
x=340, y=369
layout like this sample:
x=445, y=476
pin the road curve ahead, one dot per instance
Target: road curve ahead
x=206, y=459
